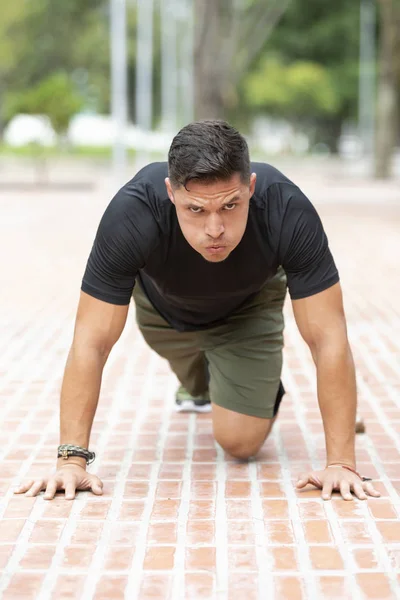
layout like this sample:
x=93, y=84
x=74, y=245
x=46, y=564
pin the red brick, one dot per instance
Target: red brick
x=289, y=588
x=159, y=557
x=200, y=558
x=201, y=509
x=285, y=558
x=317, y=531
x=155, y=586
x=78, y=557
x=325, y=557
x=241, y=532
x=237, y=489
x=335, y=587
x=119, y=558
x=201, y=532
x=24, y=585
x=10, y=530
x=35, y=558
x=47, y=531
x=275, y=509
x=374, y=585
x=199, y=585
x=68, y=587
x=389, y=530
x=279, y=532
x=5, y=552
x=87, y=532
x=162, y=533
x=131, y=511
x=111, y=586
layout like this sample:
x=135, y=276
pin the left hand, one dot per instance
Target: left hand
x=337, y=479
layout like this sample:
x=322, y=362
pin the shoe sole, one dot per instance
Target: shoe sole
x=189, y=406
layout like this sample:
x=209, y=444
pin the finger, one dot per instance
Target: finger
x=70, y=487
x=359, y=491
x=97, y=486
x=51, y=489
x=327, y=490
x=301, y=479
x=345, y=490
x=35, y=488
x=24, y=487
x=369, y=489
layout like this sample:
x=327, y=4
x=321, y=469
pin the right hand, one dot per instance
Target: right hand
x=69, y=478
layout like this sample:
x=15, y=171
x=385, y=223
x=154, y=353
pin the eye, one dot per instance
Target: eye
x=230, y=206
x=195, y=209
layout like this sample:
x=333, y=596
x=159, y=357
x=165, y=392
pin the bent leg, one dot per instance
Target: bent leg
x=245, y=364
x=186, y=360
x=240, y=435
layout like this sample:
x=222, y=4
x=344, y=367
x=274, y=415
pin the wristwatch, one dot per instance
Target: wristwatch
x=67, y=450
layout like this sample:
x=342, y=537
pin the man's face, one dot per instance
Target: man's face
x=213, y=216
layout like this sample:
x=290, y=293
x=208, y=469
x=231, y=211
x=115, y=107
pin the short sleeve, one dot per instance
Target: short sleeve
x=304, y=249
x=126, y=235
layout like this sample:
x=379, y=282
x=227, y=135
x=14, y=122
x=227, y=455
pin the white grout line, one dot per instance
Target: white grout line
x=263, y=556
x=134, y=582
x=221, y=528
x=305, y=569
x=281, y=573
x=178, y=589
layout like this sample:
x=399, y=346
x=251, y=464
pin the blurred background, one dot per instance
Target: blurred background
x=106, y=82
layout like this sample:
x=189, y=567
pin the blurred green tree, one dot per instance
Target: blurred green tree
x=299, y=91
x=324, y=35
x=54, y=96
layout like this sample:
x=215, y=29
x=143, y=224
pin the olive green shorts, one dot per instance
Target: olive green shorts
x=239, y=361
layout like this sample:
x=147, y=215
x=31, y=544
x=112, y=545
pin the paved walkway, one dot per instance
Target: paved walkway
x=178, y=519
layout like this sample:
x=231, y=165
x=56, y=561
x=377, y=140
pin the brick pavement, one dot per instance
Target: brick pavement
x=178, y=518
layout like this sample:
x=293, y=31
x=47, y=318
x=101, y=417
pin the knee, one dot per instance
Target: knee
x=240, y=448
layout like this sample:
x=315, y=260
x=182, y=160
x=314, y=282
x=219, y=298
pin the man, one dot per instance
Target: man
x=207, y=245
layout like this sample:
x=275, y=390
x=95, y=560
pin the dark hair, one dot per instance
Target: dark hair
x=208, y=151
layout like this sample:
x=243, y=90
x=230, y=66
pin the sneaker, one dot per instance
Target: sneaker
x=184, y=402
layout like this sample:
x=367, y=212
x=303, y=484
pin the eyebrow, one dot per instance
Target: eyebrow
x=231, y=201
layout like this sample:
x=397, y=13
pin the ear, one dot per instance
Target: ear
x=169, y=190
x=253, y=179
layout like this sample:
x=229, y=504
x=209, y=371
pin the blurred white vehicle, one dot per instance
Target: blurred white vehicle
x=27, y=129
x=99, y=130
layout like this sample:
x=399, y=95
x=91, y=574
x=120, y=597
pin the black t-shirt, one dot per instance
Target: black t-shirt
x=139, y=236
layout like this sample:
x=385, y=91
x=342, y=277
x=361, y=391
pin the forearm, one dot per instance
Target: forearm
x=337, y=398
x=79, y=396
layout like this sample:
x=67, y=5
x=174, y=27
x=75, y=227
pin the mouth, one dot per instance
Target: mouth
x=215, y=249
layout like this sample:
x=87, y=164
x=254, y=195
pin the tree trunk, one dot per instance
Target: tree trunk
x=229, y=35
x=387, y=112
x=208, y=75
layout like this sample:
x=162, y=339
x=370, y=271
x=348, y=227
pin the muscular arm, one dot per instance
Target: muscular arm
x=98, y=326
x=321, y=322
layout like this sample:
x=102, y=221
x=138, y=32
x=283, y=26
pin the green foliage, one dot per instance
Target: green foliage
x=299, y=91
x=54, y=96
x=307, y=70
x=326, y=33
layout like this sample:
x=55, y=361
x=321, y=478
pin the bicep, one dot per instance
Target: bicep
x=304, y=250
x=99, y=324
x=320, y=317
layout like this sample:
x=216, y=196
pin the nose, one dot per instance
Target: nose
x=214, y=226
